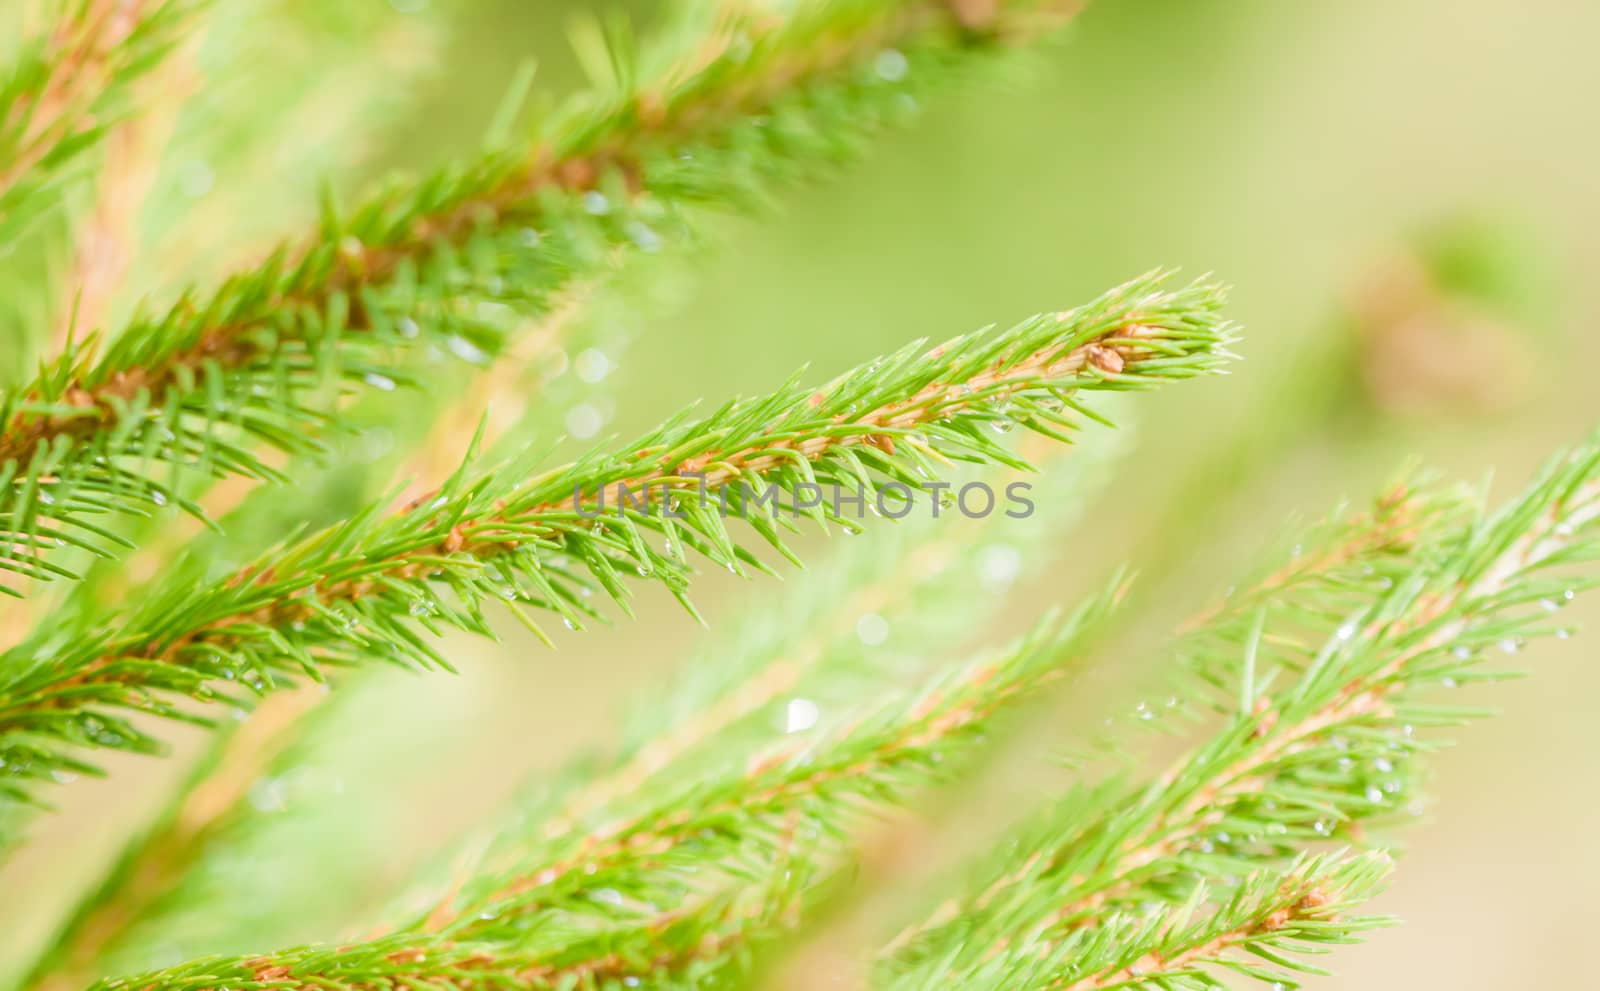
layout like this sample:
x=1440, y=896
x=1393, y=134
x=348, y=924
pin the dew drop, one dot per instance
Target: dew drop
x=382, y=382
x=269, y=795
x=872, y=629
x=891, y=64
x=584, y=421
x=1345, y=632
x=596, y=203
x=999, y=566
x=592, y=365
x=466, y=350
x=645, y=237
x=800, y=715
x=195, y=179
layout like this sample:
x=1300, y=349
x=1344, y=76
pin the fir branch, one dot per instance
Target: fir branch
x=874, y=618
x=803, y=664
x=368, y=590
x=68, y=87
x=163, y=873
x=1341, y=564
x=105, y=234
x=322, y=85
x=684, y=886
x=1255, y=930
x=444, y=263
x=151, y=866
x=1338, y=567
x=1321, y=738
x=725, y=709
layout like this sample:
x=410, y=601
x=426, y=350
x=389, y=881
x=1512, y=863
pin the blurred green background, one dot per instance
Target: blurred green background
x=1325, y=159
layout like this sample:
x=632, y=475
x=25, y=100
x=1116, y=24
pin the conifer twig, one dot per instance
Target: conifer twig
x=212, y=808
x=368, y=589
x=446, y=263
x=105, y=239
x=916, y=580
x=1341, y=564
x=1254, y=930
x=68, y=87
x=148, y=868
x=1320, y=737
x=680, y=888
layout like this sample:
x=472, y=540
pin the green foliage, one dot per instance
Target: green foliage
x=374, y=587
x=452, y=265
x=1255, y=930
x=1320, y=674
x=67, y=87
x=880, y=615
x=679, y=889
x=684, y=854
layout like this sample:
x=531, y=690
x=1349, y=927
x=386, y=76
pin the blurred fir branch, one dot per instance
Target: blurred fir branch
x=103, y=237
x=189, y=188
x=672, y=893
x=214, y=801
x=68, y=86
x=72, y=90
